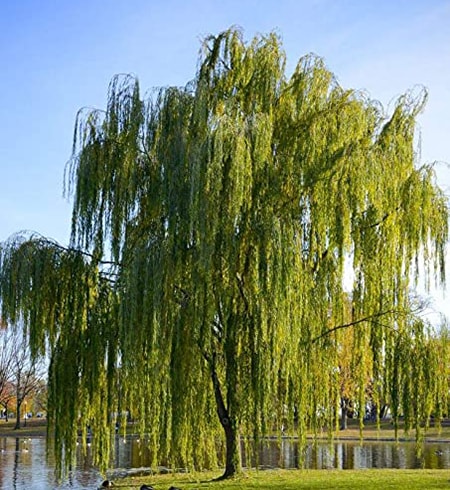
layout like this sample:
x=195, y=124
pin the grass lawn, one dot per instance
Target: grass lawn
x=386, y=432
x=300, y=479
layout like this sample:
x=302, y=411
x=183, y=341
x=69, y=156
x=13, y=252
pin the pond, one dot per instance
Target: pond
x=24, y=465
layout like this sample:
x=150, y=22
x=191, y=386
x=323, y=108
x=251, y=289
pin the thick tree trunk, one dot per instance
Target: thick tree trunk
x=232, y=438
x=233, y=450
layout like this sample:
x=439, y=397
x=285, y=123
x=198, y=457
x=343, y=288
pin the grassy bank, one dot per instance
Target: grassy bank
x=386, y=432
x=301, y=479
x=38, y=427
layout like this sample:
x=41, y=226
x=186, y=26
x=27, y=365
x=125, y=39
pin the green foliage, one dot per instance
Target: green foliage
x=211, y=227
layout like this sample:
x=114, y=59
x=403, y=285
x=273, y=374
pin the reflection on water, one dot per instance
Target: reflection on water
x=352, y=455
x=24, y=465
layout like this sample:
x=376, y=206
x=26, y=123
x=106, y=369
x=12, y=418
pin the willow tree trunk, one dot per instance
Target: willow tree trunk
x=232, y=447
x=231, y=428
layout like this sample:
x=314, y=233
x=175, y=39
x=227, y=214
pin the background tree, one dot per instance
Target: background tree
x=211, y=227
x=6, y=368
x=27, y=374
x=367, y=395
x=21, y=376
x=40, y=397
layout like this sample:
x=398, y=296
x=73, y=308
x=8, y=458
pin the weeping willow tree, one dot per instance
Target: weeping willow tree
x=213, y=228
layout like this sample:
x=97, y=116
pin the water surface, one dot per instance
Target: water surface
x=24, y=464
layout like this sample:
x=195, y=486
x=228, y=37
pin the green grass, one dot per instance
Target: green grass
x=386, y=432
x=36, y=427
x=300, y=479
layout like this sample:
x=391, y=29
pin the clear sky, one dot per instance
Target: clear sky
x=59, y=55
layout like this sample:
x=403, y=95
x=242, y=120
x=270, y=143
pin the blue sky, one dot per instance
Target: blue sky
x=58, y=56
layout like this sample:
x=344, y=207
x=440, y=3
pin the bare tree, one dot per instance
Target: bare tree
x=21, y=375
x=7, y=350
x=27, y=373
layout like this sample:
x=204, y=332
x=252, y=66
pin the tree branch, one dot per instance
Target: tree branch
x=369, y=318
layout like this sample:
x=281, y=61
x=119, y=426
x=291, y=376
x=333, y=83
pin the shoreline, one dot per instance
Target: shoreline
x=370, y=433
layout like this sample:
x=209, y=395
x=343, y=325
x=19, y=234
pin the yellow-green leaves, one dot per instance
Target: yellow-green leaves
x=231, y=210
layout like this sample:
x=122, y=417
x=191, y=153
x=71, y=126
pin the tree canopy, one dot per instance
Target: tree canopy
x=214, y=229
